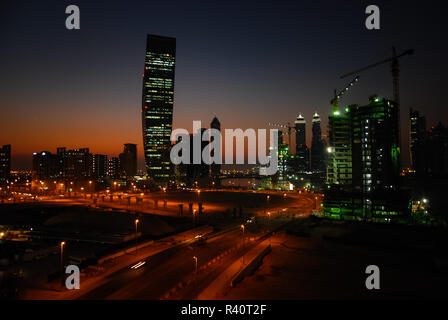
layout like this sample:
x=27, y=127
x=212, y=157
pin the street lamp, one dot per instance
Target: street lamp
x=196, y=264
x=244, y=229
x=136, y=238
x=62, y=262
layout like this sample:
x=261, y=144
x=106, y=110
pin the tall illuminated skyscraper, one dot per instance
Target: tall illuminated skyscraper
x=317, y=146
x=157, y=106
x=302, y=151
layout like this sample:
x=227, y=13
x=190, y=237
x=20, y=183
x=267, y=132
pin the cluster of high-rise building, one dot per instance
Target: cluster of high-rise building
x=157, y=120
x=310, y=160
x=307, y=166
x=199, y=174
x=81, y=164
x=363, y=166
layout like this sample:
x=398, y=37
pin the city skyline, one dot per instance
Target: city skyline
x=221, y=152
x=211, y=76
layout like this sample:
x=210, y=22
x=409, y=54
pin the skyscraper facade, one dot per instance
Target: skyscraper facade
x=317, y=146
x=339, y=169
x=417, y=139
x=46, y=166
x=194, y=175
x=375, y=147
x=302, y=151
x=113, y=167
x=281, y=177
x=215, y=169
x=5, y=163
x=76, y=164
x=99, y=166
x=128, y=160
x=436, y=151
x=157, y=106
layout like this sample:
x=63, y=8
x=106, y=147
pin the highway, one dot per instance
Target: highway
x=162, y=265
x=162, y=271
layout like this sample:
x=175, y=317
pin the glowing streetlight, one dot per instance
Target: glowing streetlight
x=196, y=264
x=62, y=244
x=244, y=229
x=136, y=237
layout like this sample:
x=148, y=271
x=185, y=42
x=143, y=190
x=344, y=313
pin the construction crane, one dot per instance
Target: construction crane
x=395, y=69
x=289, y=129
x=335, y=101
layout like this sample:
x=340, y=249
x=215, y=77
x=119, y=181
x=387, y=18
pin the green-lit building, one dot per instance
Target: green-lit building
x=339, y=170
x=281, y=180
x=157, y=106
x=363, y=171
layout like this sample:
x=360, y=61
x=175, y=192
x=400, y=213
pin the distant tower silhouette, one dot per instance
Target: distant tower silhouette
x=215, y=169
x=302, y=151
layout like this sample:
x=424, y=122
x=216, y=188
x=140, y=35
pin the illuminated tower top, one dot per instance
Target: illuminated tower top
x=300, y=119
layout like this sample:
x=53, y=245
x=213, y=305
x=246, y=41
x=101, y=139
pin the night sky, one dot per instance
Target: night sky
x=248, y=64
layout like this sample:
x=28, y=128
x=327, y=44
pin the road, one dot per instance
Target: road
x=162, y=271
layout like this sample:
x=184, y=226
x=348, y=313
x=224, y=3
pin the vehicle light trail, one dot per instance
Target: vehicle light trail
x=138, y=265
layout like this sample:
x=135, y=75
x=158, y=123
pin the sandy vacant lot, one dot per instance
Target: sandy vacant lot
x=314, y=268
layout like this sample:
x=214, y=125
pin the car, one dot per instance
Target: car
x=200, y=240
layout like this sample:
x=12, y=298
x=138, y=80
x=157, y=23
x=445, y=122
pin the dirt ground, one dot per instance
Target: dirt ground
x=314, y=268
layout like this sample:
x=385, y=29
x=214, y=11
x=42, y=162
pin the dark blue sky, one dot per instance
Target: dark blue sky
x=248, y=62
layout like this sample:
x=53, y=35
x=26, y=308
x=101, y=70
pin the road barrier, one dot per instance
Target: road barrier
x=125, y=251
x=189, y=233
x=250, y=267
